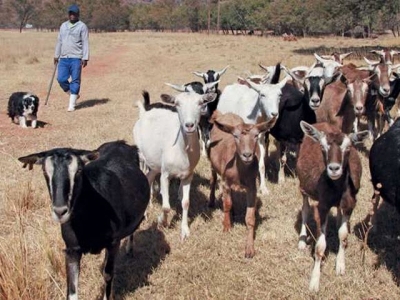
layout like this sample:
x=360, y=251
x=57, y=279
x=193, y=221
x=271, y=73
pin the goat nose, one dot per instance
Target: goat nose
x=60, y=210
x=274, y=114
x=315, y=100
x=247, y=154
x=359, y=108
x=189, y=125
x=334, y=167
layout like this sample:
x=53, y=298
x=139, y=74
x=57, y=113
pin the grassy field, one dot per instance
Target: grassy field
x=210, y=264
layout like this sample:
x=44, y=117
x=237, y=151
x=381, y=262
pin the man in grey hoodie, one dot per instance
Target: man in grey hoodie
x=72, y=54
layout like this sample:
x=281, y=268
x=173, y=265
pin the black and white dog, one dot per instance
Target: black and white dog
x=24, y=106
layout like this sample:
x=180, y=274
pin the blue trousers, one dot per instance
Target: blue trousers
x=69, y=67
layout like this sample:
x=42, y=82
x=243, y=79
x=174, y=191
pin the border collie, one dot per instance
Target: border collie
x=24, y=106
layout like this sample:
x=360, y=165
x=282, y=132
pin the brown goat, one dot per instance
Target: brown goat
x=343, y=102
x=234, y=154
x=329, y=171
x=379, y=89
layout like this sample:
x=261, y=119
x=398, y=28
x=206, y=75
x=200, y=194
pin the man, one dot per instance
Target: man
x=72, y=54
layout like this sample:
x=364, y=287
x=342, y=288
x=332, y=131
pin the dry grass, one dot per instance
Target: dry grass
x=210, y=264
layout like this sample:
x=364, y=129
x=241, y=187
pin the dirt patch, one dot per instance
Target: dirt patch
x=100, y=65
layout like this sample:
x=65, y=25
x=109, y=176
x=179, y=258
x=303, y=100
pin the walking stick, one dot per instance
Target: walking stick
x=51, y=83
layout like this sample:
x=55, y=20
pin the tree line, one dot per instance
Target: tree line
x=298, y=17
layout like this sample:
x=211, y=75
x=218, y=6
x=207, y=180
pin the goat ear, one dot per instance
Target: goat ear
x=319, y=58
x=251, y=84
x=379, y=52
x=167, y=98
x=90, y=156
x=295, y=75
x=32, y=159
x=209, y=97
x=311, y=131
x=344, y=55
x=395, y=66
x=265, y=126
x=359, y=136
x=371, y=63
x=224, y=127
x=394, y=52
x=216, y=114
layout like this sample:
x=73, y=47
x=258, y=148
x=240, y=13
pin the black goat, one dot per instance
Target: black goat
x=97, y=204
x=293, y=108
x=384, y=166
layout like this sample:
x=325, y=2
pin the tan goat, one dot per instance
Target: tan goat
x=329, y=171
x=234, y=154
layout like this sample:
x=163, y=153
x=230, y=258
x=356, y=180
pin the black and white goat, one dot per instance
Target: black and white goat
x=97, y=204
x=23, y=105
x=294, y=107
x=205, y=126
x=390, y=101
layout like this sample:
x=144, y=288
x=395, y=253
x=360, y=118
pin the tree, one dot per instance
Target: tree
x=22, y=11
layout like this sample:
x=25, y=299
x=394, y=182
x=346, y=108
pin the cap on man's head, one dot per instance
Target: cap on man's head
x=74, y=9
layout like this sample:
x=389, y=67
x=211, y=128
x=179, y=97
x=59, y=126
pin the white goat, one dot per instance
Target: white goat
x=259, y=102
x=169, y=144
x=331, y=68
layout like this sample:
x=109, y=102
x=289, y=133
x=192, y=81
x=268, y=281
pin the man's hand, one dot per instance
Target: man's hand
x=55, y=60
x=84, y=63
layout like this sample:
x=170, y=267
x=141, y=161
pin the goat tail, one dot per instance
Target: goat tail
x=143, y=104
x=146, y=98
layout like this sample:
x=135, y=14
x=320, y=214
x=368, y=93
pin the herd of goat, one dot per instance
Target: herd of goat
x=100, y=197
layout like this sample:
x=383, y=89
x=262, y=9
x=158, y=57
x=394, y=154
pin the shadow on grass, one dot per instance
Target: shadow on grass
x=384, y=239
x=272, y=165
x=91, y=102
x=332, y=239
x=40, y=124
x=198, y=200
x=132, y=270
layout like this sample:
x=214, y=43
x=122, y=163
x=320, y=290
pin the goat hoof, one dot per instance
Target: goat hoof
x=162, y=222
x=340, y=269
x=314, y=285
x=249, y=253
x=263, y=191
x=302, y=245
x=227, y=228
x=185, y=234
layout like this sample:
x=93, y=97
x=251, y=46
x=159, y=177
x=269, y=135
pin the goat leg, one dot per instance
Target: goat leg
x=227, y=206
x=108, y=271
x=250, y=222
x=213, y=183
x=72, y=263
